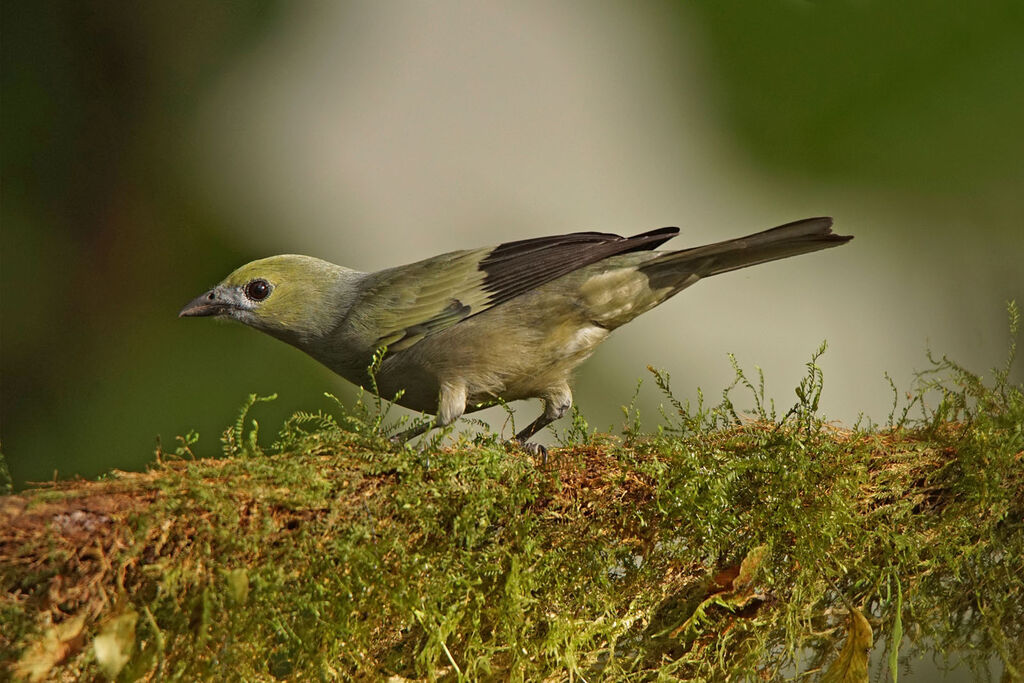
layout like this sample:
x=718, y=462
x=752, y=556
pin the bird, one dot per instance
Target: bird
x=465, y=329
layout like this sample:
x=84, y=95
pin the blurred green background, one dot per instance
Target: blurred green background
x=150, y=148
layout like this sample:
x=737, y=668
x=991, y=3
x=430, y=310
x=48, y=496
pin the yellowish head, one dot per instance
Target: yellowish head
x=295, y=298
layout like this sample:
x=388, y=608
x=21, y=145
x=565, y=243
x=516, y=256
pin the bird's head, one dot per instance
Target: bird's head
x=295, y=298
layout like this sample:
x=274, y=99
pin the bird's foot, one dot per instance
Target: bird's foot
x=534, y=449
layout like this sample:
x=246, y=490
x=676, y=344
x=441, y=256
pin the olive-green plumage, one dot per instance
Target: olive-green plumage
x=467, y=327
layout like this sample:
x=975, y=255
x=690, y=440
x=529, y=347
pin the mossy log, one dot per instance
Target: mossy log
x=720, y=548
x=746, y=552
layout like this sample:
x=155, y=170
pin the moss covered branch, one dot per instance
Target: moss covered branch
x=720, y=547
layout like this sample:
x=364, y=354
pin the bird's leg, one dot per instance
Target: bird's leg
x=412, y=432
x=451, y=404
x=556, y=403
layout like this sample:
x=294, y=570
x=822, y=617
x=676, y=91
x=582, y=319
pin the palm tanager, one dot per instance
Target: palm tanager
x=466, y=328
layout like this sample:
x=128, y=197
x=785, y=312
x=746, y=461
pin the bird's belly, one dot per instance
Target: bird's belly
x=409, y=384
x=510, y=352
x=550, y=361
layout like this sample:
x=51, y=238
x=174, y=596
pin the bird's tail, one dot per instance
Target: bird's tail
x=677, y=269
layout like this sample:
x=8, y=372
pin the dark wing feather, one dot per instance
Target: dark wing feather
x=400, y=306
x=515, y=268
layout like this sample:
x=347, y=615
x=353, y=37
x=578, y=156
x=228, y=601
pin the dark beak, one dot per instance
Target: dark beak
x=209, y=303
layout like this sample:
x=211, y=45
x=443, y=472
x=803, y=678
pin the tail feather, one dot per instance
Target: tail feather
x=792, y=239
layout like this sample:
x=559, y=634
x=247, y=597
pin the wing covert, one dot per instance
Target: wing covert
x=402, y=305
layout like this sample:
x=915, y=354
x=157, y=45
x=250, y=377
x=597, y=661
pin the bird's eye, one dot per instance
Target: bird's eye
x=257, y=290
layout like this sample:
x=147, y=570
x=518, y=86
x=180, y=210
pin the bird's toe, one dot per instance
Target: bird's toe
x=534, y=449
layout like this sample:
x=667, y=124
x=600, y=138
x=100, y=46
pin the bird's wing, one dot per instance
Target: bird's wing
x=399, y=306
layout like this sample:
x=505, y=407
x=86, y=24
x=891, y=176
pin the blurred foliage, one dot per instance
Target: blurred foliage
x=725, y=547
x=104, y=238
x=918, y=96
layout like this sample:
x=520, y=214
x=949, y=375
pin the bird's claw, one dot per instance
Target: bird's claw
x=534, y=449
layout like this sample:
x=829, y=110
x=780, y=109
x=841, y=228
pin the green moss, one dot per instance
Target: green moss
x=333, y=554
